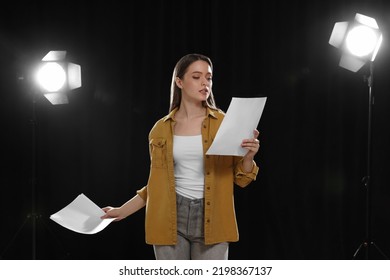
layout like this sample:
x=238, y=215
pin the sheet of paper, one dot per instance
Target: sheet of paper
x=82, y=215
x=241, y=118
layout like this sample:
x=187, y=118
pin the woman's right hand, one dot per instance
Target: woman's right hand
x=128, y=208
x=112, y=212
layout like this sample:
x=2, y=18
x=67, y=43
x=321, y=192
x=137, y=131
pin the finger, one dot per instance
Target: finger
x=256, y=133
x=250, y=142
x=251, y=146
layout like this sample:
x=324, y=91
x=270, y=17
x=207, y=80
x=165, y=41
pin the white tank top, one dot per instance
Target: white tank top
x=189, y=166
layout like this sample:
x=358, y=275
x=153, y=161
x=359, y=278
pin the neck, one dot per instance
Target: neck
x=190, y=110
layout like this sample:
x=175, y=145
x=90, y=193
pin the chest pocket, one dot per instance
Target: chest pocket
x=159, y=152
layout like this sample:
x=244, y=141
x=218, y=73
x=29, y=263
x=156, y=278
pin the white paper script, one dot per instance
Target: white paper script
x=82, y=216
x=241, y=118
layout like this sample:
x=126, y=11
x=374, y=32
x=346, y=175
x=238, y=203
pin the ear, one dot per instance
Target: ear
x=178, y=82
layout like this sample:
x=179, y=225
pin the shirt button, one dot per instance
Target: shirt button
x=205, y=140
x=204, y=126
x=208, y=220
x=207, y=156
x=207, y=173
x=208, y=202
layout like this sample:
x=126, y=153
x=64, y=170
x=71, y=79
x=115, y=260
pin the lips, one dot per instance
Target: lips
x=204, y=91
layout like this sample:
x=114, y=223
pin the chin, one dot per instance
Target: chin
x=204, y=97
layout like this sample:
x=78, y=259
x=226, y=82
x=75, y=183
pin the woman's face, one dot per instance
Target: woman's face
x=197, y=82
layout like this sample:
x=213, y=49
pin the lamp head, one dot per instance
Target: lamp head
x=359, y=41
x=55, y=77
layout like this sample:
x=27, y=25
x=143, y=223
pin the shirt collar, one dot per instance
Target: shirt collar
x=209, y=112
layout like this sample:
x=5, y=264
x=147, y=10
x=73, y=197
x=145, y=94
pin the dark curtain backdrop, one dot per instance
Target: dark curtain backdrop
x=308, y=201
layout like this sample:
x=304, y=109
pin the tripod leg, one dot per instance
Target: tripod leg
x=379, y=250
x=67, y=254
x=36, y=220
x=14, y=237
x=358, y=249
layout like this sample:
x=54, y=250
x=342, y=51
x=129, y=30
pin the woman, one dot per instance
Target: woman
x=189, y=195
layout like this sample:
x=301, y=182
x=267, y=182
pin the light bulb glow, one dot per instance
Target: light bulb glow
x=361, y=40
x=51, y=77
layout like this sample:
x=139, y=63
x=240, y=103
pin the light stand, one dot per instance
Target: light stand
x=33, y=214
x=360, y=41
x=368, y=243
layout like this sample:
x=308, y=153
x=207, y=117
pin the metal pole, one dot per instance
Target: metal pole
x=33, y=179
x=369, y=151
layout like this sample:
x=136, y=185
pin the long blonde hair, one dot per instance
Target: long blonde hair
x=179, y=71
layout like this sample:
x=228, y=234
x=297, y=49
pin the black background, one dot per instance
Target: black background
x=308, y=201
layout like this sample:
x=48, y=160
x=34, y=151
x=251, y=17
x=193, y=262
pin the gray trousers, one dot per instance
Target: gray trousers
x=190, y=238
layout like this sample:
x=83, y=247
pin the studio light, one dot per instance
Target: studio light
x=53, y=77
x=359, y=42
x=56, y=77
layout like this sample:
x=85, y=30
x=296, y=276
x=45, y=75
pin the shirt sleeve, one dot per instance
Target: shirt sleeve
x=143, y=193
x=242, y=178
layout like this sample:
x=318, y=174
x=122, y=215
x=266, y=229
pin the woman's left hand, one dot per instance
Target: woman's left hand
x=252, y=145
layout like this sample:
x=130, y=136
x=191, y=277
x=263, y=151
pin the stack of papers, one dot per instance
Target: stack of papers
x=82, y=215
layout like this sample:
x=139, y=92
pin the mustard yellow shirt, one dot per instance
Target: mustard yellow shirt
x=221, y=173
